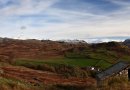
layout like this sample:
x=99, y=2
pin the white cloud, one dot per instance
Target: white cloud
x=26, y=7
x=74, y=24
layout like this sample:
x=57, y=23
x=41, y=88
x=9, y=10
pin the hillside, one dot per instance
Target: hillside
x=35, y=48
x=45, y=49
x=61, y=65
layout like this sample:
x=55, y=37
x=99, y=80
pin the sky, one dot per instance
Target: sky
x=89, y=20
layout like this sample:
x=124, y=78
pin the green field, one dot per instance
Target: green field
x=71, y=62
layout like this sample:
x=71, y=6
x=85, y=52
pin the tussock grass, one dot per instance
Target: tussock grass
x=13, y=84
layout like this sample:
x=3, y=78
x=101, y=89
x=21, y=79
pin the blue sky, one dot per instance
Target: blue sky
x=90, y=20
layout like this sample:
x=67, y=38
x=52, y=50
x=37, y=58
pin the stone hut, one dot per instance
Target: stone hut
x=119, y=69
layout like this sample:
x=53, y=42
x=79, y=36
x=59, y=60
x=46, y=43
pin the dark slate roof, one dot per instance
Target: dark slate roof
x=114, y=69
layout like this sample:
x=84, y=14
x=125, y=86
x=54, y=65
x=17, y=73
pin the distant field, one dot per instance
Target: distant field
x=71, y=62
x=101, y=58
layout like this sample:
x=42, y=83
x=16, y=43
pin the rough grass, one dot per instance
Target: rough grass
x=117, y=83
x=14, y=84
x=11, y=84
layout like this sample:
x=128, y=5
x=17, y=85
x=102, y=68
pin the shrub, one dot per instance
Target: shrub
x=46, y=67
x=69, y=71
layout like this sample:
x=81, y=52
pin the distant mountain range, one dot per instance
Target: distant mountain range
x=106, y=39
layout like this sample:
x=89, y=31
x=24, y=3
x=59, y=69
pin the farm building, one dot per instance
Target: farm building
x=120, y=69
